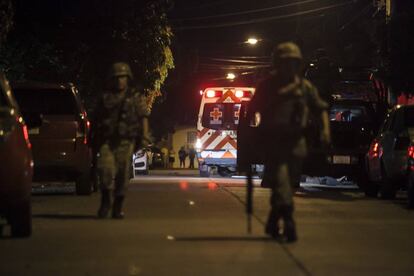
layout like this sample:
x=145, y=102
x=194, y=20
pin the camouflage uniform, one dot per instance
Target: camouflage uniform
x=285, y=110
x=119, y=131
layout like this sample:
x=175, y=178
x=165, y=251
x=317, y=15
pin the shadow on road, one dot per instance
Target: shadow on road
x=65, y=216
x=222, y=239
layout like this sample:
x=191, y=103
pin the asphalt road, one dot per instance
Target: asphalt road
x=178, y=225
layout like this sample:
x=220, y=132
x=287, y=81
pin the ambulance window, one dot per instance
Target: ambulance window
x=221, y=116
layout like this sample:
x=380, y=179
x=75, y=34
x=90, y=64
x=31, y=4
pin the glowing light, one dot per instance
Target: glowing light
x=201, y=92
x=212, y=186
x=198, y=144
x=239, y=93
x=230, y=76
x=252, y=41
x=184, y=185
x=191, y=202
x=210, y=93
x=170, y=238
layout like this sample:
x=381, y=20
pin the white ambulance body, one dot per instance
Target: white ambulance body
x=217, y=123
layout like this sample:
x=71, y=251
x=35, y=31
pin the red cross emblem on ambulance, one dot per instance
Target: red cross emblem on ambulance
x=215, y=116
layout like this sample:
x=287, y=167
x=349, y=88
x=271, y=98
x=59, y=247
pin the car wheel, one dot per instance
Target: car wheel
x=370, y=188
x=20, y=219
x=83, y=184
x=146, y=172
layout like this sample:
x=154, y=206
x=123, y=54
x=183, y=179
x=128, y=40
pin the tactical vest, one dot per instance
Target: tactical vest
x=286, y=114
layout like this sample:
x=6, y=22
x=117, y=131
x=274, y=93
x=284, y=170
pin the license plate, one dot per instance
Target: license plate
x=33, y=131
x=341, y=159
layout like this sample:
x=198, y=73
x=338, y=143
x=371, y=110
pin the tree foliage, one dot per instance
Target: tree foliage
x=77, y=41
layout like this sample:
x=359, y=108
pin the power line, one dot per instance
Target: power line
x=265, y=19
x=239, y=61
x=245, y=12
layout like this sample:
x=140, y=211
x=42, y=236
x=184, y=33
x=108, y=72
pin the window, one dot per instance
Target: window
x=221, y=115
x=36, y=103
x=191, y=138
x=343, y=113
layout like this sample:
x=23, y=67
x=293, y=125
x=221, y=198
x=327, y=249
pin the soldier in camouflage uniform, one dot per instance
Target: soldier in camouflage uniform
x=121, y=124
x=285, y=102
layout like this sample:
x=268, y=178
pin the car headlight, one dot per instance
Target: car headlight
x=198, y=145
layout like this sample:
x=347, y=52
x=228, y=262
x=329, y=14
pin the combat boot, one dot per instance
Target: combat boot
x=272, y=227
x=105, y=204
x=117, y=208
x=289, y=229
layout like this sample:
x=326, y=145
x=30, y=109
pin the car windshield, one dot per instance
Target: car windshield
x=221, y=115
x=348, y=113
x=352, y=90
x=35, y=103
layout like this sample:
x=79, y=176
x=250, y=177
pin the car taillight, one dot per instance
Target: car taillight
x=410, y=155
x=88, y=127
x=26, y=136
x=375, y=150
x=410, y=152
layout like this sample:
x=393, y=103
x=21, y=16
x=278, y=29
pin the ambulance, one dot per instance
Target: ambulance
x=217, y=123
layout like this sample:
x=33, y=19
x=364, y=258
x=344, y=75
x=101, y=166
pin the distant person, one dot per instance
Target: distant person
x=182, y=154
x=192, y=154
x=164, y=152
x=171, y=158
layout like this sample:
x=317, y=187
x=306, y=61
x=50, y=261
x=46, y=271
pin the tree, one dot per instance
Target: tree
x=79, y=40
x=133, y=31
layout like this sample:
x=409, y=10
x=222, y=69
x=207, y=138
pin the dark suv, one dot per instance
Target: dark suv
x=353, y=125
x=58, y=129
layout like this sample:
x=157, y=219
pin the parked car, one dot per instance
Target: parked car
x=140, y=163
x=16, y=165
x=387, y=156
x=410, y=176
x=156, y=157
x=58, y=129
x=353, y=126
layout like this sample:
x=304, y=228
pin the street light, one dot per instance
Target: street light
x=252, y=41
x=230, y=76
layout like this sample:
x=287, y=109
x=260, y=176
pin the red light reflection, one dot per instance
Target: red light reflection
x=212, y=186
x=184, y=185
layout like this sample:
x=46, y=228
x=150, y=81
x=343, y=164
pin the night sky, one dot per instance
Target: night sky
x=209, y=38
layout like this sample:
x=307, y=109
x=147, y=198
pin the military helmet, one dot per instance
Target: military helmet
x=121, y=69
x=287, y=50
